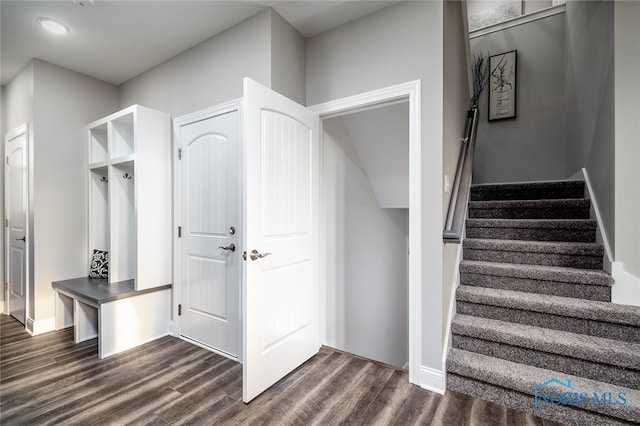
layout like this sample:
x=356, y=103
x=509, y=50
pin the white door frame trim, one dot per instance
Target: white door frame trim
x=410, y=91
x=234, y=105
x=23, y=129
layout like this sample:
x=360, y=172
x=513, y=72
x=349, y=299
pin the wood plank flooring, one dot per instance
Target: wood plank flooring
x=49, y=380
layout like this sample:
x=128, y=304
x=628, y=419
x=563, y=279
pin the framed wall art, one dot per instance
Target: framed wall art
x=502, y=85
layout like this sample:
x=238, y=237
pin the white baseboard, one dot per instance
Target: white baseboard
x=171, y=331
x=432, y=380
x=35, y=327
x=451, y=309
x=626, y=289
x=601, y=234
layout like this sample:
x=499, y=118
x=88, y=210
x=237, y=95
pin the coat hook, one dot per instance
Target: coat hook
x=127, y=176
x=104, y=179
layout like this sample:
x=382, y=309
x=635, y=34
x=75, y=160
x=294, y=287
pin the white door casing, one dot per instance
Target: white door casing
x=16, y=197
x=209, y=216
x=410, y=91
x=281, y=195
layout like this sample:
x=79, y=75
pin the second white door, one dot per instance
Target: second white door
x=210, y=256
x=16, y=197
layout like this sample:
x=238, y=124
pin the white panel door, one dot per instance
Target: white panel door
x=16, y=168
x=209, y=270
x=280, y=289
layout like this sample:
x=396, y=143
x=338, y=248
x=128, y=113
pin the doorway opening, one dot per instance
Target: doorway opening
x=408, y=93
x=366, y=211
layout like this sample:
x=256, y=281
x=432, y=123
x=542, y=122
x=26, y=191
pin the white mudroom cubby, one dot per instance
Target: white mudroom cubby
x=130, y=195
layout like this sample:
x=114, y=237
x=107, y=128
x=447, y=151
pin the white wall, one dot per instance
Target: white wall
x=401, y=43
x=533, y=146
x=367, y=256
x=207, y=74
x=627, y=146
x=590, y=100
x=381, y=139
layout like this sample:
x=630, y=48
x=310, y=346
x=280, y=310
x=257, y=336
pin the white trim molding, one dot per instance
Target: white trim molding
x=626, y=289
x=35, y=327
x=520, y=20
x=432, y=380
x=411, y=92
x=601, y=234
x=451, y=310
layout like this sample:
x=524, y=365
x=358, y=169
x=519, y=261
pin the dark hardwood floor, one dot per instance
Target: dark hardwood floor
x=48, y=380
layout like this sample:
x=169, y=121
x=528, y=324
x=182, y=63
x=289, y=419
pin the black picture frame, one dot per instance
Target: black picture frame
x=503, y=87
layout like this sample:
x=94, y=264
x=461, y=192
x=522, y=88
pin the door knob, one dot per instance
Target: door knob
x=254, y=255
x=230, y=247
x=21, y=239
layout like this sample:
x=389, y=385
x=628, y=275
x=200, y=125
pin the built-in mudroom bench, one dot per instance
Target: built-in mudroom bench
x=117, y=314
x=125, y=298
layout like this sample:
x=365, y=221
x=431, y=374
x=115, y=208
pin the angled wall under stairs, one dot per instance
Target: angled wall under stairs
x=535, y=329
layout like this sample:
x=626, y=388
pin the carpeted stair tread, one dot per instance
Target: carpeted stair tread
x=548, y=253
x=547, y=247
x=534, y=272
x=528, y=190
x=530, y=209
x=592, y=348
x=524, y=379
x=588, y=224
x=576, y=230
x=562, y=306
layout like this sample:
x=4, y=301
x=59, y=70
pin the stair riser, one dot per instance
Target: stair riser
x=546, y=259
x=533, y=234
x=557, y=322
x=515, y=193
x=530, y=213
x=585, y=368
x=554, y=288
x=519, y=401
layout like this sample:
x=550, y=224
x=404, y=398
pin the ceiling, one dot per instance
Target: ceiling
x=116, y=40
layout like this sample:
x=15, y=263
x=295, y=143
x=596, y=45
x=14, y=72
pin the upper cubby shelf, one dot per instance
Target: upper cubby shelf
x=99, y=142
x=122, y=136
x=113, y=138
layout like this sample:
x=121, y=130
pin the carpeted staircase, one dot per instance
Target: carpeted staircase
x=535, y=328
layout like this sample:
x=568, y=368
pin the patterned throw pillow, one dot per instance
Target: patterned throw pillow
x=99, y=264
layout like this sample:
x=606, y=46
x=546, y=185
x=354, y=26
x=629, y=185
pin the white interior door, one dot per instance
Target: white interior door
x=209, y=266
x=16, y=168
x=280, y=289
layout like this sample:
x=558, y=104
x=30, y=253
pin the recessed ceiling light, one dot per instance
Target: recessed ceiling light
x=53, y=26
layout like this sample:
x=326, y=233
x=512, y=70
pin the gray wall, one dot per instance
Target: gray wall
x=207, y=74
x=455, y=106
x=288, y=60
x=19, y=109
x=65, y=102
x=627, y=128
x=264, y=47
x=57, y=104
x=590, y=100
x=2, y=132
x=401, y=43
x=533, y=145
